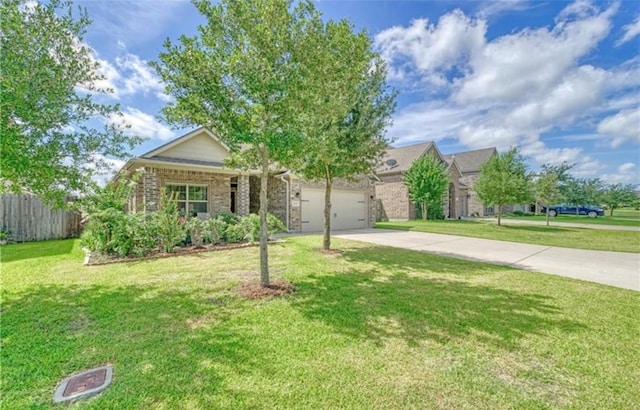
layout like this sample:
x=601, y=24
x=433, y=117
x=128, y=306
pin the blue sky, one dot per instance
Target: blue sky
x=561, y=80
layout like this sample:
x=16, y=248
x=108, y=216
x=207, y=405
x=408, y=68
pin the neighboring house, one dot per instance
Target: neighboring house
x=469, y=163
x=459, y=200
x=193, y=167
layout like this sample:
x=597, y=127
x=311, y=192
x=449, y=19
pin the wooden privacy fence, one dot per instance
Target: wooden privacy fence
x=27, y=218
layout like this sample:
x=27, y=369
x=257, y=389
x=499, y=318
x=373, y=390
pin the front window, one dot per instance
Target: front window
x=191, y=199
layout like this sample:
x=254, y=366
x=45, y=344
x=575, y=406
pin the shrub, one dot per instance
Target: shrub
x=234, y=233
x=518, y=213
x=110, y=232
x=228, y=217
x=170, y=226
x=195, y=228
x=213, y=230
x=251, y=226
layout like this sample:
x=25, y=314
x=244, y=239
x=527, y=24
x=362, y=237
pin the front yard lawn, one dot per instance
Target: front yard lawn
x=368, y=328
x=616, y=220
x=602, y=240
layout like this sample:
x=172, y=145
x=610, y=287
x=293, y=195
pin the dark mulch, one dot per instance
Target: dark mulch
x=331, y=252
x=254, y=290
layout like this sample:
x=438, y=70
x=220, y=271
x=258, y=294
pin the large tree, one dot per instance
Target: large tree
x=53, y=134
x=503, y=180
x=427, y=181
x=345, y=137
x=245, y=76
x=583, y=191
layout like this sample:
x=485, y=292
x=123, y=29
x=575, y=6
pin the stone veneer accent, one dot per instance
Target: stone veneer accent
x=243, y=196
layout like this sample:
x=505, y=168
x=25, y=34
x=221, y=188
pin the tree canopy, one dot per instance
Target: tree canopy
x=427, y=181
x=345, y=136
x=616, y=195
x=248, y=75
x=53, y=134
x=547, y=188
x=503, y=180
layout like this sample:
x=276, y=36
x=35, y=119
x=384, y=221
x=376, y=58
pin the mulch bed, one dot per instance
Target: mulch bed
x=254, y=290
x=97, y=259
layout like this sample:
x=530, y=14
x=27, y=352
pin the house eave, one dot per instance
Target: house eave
x=188, y=167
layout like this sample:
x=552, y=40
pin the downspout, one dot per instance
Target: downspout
x=286, y=183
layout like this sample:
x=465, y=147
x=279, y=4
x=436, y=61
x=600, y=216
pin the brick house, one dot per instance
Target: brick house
x=460, y=200
x=193, y=168
x=469, y=163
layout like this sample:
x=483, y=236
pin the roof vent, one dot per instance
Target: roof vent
x=392, y=163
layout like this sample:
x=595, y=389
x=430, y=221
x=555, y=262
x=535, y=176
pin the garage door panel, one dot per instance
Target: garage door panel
x=348, y=209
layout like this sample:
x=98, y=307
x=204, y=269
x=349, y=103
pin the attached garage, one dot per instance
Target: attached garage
x=349, y=209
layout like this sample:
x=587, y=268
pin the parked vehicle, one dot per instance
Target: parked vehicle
x=589, y=210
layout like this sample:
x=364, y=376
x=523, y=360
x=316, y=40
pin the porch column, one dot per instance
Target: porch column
x=242, y=200
x=151, y=191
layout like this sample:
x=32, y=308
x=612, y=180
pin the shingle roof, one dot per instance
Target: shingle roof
x=470, y=161
x=400, y=159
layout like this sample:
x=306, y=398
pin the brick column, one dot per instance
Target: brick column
x=151, y=190
x=242, y=196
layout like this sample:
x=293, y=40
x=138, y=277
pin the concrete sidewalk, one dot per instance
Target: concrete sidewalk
x=552, y=222
x=619, y=269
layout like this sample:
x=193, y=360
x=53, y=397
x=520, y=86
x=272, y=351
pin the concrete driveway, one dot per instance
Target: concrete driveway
x=619, y=269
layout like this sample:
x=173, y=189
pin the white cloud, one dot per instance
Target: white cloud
x=128, y=75
x=144, y=125
x=627, y=173
x=138, y=77
x=495, y=7
x=623, y=127
x=631, y=31
x=530, y=63
x=432, y=49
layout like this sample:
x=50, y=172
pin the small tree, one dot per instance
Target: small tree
x=547, y=190
x=49, y=146
x=616, y=195
x=243, y=76
x=427, y=181
x=346, y=134
x=503, y=180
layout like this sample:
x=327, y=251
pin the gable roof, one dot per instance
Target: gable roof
x=180, y=140
x=400, y=159
x=470, y=161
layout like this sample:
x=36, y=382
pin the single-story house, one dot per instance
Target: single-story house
x=460, y=200
x=193, y=167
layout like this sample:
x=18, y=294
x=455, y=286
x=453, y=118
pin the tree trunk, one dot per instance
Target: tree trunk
x=424, y=210
x=611, y=213
x=499, y=214
x=264, y=203
x=326, y=239
x=547, y=216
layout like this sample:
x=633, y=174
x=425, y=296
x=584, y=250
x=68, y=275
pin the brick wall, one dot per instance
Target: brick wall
x=276, y=195
x=474, y=204
x=218, y=192
x=392, y=198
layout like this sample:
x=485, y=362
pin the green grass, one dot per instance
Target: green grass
x=604, y=240
x=372, y=328
x=618, y=219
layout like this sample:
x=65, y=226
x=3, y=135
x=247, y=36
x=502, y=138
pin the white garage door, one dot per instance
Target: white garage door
x=348, y=209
